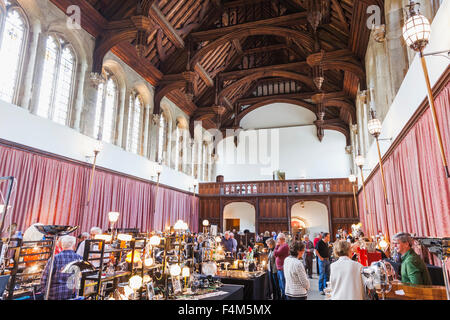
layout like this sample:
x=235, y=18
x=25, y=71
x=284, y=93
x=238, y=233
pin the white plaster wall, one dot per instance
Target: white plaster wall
x=315, y=215
x=296, y=151
x=20, y=126
x=413, y=89
x=243, y=211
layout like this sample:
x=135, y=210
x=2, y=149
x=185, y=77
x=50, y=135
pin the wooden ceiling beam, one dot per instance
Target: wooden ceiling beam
x=204, y=75
x=165, y=25
x=287, y=20
x=231, y=75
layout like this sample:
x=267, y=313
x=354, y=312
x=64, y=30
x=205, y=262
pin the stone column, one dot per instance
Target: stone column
x=87, y=116
x=122, y=118
x=78, y=96
x=146, y=122
x=29, y=69
x=38, y=71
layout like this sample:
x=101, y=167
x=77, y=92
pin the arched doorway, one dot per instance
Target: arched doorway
x=312, y=216
x=240, y=216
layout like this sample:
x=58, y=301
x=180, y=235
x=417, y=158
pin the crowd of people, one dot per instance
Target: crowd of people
x=290, y=263
x=290, y=266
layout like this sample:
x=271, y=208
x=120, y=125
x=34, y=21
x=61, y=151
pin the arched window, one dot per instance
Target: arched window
x=135, y=122
x=55, y=94
x=163, y=138
x=204, y=160
x=13, y=36
x=105, y=110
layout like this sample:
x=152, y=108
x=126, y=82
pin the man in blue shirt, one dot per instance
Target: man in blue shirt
x=58, y=286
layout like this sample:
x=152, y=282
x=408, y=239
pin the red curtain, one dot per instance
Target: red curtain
x=418, y=189
x=54, y=191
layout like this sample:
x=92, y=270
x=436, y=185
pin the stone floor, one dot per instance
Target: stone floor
x=314, y=293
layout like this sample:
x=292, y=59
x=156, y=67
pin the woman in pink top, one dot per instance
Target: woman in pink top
x=281, y=252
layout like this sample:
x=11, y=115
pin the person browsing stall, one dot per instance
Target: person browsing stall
x=346, y=278
x=297, y=283
x=281, y=252
x=58, y=285
x=323, y=253
x=227, y=242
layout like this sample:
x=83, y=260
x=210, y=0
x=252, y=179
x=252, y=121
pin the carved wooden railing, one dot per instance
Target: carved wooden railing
x=276, y=187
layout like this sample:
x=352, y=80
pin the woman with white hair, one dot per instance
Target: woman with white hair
x=58, y=285
x=346, y=279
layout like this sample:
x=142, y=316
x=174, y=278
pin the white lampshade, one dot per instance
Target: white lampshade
x=218, y=239
x=106, y=237
x=352, y=178
x=124, y=237
x=374, y=126
x=185, y=272
x=147, y=278
x=113, y=216
x=155, y=240
x=135, y=282
x=158, y=168
x=2, y=208
x=148, y=262
x=98, y=146
x=383, y=244
x=175, y=270
x=180, y=225
x=416, y=32
x=359, y=160
x=205, y=223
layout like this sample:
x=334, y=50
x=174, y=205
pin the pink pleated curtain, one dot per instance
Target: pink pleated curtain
x=418, y=190
x=54, y=191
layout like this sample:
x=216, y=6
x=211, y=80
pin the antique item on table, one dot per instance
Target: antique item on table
x=209, y=268
x=76, y=269
x=379, y=276
x=441, y=248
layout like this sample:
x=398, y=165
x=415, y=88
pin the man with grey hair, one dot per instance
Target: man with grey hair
x=234, y=243
x=227, y=242
x=308, y=257
x=58, y=286
x=94, y=232
x=413, y=269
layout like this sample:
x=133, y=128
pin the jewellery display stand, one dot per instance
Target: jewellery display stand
x=29, y=260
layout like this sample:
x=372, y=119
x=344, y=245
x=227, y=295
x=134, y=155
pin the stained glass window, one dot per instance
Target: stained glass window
x=57, y=80
x=11, y=54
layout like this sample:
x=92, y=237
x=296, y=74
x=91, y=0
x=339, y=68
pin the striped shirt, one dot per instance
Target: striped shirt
x=297, y=283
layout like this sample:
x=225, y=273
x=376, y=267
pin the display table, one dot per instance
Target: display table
x=254, y=283
x=416, y=292
x=234, y=292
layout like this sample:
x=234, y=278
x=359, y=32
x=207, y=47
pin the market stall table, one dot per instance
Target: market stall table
x=404, y=291
x=254, y=283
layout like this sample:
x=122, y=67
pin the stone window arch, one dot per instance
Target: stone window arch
x=57, y=83
x=14, y=31
x=106, y=108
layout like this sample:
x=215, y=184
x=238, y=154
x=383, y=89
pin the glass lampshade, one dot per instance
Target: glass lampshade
x=124, y=237
x=179, y=225
x=185, y=272
x=374, y=126
x=359, y=160
x=155, y=240
x=113, y=216
x=148, y=262
x=205, y=223
x=158, y=168
x=416, y=32
x=352, y=178
x=98, y=146
x=175, y=270
x=135, y=282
